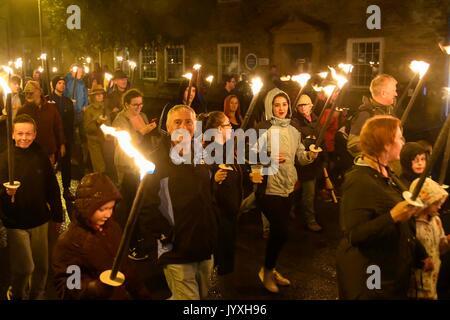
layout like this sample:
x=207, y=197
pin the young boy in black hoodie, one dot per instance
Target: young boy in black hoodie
x=36, y=201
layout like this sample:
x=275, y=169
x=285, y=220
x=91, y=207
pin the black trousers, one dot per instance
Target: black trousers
x=276, y=209
x=66, y=172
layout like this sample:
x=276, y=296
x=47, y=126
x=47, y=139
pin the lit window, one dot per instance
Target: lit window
x=366, y=55
x=174, y=62
x=228, y=59
x=149, y=63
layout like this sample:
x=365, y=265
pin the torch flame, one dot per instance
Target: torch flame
x=285, y=78
x=347, y=68
x=119, y=58
x=108, y=76
x=8, y=70
x=86, y=69
x=54, y=69
x=132, y=64
x=88, y=59
x=420, y=67
x=18, y=63
x=329, y=90
x=40, y=69
x=323, y=74
x=197, y=66
x=257, y=84
x=4, y=86
x=187, y=75
x=301, y=78
x=43, y=56
x=317, y=88
x=124, y=140
x=210, y=78
x=74, y=69
x=341, y=80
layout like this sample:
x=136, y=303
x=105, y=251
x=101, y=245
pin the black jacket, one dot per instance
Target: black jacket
x=371, y=237
x=38, y=198
x=309, y=135
x=67, y=113
x=178, y=209
x=228, y=197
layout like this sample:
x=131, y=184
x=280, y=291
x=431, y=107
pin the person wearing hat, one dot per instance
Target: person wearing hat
x=306, y=121
x=430, y=233
x=114, y=99
x=91, y=243
x=66, y=111
x=50, y=133
x=94, y=116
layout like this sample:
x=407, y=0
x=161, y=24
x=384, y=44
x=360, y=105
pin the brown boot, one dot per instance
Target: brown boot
x=280, y=279
x=267, y=278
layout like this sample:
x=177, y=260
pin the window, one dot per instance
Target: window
x=148, y=63
x=174, y=63
x=228, y=59
x=366, y=55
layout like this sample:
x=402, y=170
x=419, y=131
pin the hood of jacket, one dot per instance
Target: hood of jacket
x=268, y=101
x=94, y=190
x=409, y=151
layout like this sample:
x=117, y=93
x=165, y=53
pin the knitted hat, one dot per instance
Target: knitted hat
x=55, y=81
x=304, y=99
x=96, y=89
x=31, y=86
x=94, y=190
x=431, y=191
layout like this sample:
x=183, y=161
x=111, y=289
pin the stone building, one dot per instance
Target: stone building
x=297, y=36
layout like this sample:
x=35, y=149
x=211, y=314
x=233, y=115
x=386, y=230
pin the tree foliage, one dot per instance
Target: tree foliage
x=119, y=23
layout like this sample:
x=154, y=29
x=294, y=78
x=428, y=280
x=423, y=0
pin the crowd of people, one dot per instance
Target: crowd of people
x=190, y=207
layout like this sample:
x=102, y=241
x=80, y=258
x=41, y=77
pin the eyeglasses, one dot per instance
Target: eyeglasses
x=137, y=105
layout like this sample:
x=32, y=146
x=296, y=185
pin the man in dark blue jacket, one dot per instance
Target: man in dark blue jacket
x=66, y=111
x=178, y=206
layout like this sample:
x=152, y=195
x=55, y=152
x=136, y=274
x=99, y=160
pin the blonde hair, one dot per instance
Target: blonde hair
x=377, y=84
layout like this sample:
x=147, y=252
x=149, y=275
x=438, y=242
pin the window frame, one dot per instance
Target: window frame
x=166, y=69
x=219, y=57
x=349, y=54
x=141, y=64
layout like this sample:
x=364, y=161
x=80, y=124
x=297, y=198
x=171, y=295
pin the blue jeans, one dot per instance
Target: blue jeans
x=308, y=189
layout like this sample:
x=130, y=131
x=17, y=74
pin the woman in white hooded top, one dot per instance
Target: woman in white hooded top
x=275, y=190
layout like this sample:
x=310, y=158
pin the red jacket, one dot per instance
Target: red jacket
x=330, y=132
x=50, y=132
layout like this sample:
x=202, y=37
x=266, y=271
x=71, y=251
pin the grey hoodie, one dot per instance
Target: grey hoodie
x=282, y=181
